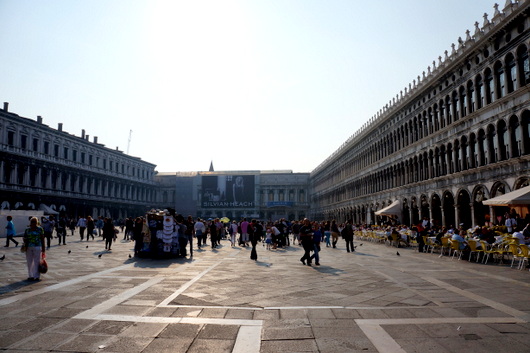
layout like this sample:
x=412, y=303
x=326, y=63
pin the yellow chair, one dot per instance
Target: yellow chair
x=474, y=250
x=487, y=251
x=445, y=246
x=425, y=243
x=433, y=245
x=525, y=254
x=516, y=253
x=455, y=246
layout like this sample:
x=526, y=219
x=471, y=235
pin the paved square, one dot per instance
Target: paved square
x=221, y=301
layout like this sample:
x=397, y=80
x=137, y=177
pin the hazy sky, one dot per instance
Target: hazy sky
x=249, y=85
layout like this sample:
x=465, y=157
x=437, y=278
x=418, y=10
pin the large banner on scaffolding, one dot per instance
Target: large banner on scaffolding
x=227, y=191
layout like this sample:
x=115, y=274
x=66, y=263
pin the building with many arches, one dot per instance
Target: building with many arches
x=459, y=134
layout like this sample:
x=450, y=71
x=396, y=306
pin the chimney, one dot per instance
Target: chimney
x=83, y=133
x=6, y=105
x=60, y=127
x=95, y=139
x=86, y=137
x=39, y=119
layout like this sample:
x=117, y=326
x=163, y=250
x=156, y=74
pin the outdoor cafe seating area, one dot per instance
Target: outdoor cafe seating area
x=505, y=251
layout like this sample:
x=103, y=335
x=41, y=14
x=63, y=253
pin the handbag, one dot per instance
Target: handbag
x=43, y=265
x=23, y=248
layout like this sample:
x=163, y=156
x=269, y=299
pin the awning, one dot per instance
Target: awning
x=394, y=209
x=47, y=209
x=517, y=197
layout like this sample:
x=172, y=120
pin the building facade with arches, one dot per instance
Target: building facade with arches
x=52, y=170
x=459, y=134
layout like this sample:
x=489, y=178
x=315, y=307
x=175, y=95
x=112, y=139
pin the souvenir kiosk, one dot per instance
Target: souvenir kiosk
x=166, y=236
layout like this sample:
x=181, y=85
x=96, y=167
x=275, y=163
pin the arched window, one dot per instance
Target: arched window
x=471, y=96
x=443, y=161
x=482, y=148
x=458, y=157
x=489, y=87
x=516, y=137
x=463, y=153
x=523, y=65
x=456, y=106
x=511, y=74
x=449, y=156
x=430, y=121
x=436, y=115
x=479, y=96
x=492, y=144
x=472, y=152
x=463, y=102
x=503, y=137
x=426, y=125
x=448, y=110
x=442, y=114
x=525, y=131
x=500, y=75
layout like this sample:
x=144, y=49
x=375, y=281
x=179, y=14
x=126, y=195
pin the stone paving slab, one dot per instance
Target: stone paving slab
x=221, y=301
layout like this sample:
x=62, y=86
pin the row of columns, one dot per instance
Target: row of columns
x=84, y=185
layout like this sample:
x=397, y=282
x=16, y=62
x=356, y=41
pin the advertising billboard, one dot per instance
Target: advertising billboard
x=227, y=191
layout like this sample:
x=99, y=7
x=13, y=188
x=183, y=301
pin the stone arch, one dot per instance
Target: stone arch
x=448, y=207
x=481, y=212
x=463, y=203
x=436, y=210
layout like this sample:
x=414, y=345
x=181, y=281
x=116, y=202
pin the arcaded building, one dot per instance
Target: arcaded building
x=457, y=135
x=60, y=173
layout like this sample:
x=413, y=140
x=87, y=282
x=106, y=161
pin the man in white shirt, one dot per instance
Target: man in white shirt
x=200, y=232
x=81, y=223
x=510, y=223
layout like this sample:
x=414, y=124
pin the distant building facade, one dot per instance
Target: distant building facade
x=52, y=170
x=456, y=136
x=236, y=194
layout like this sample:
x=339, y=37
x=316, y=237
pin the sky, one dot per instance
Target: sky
x=245, y=84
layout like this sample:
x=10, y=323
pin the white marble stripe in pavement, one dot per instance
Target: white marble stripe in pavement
x=46, y=289
x=248, y=340
x=188, y=284
x=384, y=343
x=175, y=320
x=491, y=303
x=117, y=299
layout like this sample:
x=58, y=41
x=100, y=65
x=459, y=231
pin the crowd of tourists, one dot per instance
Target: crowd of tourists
x=274, y=235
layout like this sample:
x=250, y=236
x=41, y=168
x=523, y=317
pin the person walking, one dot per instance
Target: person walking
x=81, y=223
x=10, y=232
x=137, y=235
x=47, y=224
x=306, y=236
x=317, y=238
x=255, y=230
x=35, y=248
x=348, y=236
x=190, y=229
x=334, y=233
x=233, y=233
x=90, y=227
x=60, y=228
x=99, y=225
x=200, y=232
x=244, y=232
x=213, y=234
x=108, y=233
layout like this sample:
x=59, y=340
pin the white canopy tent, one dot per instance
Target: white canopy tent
x=394, y=209
x=517, y=197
